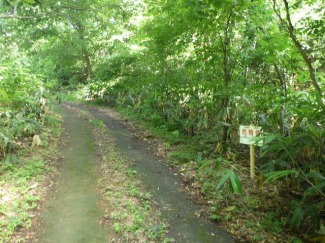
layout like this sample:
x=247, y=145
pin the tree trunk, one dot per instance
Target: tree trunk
x=85, y=54
x=227, y=74
x=283, y=105
x=88, y=66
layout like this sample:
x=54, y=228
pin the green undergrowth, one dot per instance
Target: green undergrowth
x=21, y=184
x=28, y=130
x=128, y=208
x=186, y=148
x=72, y=93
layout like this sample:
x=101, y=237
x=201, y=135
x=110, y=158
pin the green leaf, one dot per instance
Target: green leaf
x=29, y=1
x=313, y=130
x=223, y=179
x=320, y=101
x=314, y=189
x=276, y=175
x=4, y=95
x=216, y=162
x=18, y=95
x=225, y=124
x=270, y=138
x=206, y=164
x=236, y=183
x=13, y=3
x=315, y=175
x=297, y=217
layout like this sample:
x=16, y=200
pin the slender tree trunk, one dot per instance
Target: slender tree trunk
x=227, y=74
x=284, y=94
x=88, y=66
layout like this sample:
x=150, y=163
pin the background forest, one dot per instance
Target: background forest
x=194, y=70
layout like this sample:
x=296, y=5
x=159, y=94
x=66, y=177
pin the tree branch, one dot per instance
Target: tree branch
x=291, y=31
x=300, y=49
x=15, y=16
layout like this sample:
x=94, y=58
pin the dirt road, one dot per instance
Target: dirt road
x=166, y=188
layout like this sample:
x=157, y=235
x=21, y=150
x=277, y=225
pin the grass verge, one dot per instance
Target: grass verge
x=24, y=184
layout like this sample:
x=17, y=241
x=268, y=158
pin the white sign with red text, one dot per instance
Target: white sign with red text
x=246, y=134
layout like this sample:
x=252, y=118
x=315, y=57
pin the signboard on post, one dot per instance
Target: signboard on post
x=249, y=132
x=246, y=134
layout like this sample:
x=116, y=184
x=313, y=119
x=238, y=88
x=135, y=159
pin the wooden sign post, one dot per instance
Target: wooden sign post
x=252, y=160
x=246, y=135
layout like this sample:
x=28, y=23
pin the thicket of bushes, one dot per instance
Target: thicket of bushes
x=25, y=107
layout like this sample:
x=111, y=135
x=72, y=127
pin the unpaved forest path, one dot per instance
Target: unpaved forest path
x=158, y=179
x=72, y=215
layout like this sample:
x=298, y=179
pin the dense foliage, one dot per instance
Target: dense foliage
x=191, y=66
x=24, y=108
